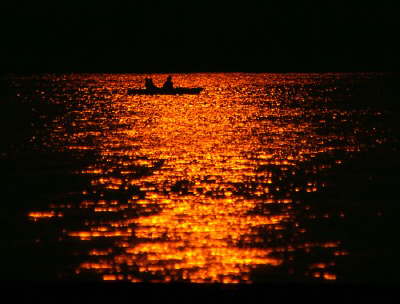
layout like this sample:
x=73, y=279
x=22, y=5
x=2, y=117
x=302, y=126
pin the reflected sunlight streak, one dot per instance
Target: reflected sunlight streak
x=198, y=188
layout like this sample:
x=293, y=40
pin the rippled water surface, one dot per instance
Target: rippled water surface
x=231, y=185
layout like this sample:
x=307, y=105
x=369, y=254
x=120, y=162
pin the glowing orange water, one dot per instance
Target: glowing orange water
x=200, y=167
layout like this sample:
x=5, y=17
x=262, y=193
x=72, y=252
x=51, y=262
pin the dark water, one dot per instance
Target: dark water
x=260, y=178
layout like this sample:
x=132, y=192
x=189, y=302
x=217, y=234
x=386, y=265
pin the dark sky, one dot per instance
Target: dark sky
x=201, y=36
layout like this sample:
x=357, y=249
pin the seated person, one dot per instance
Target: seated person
x=148, y=83
x=168, y=83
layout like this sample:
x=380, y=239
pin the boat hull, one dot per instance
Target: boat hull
x=161, y=91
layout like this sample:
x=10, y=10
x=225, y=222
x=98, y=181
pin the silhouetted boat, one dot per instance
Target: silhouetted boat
x=161, y=91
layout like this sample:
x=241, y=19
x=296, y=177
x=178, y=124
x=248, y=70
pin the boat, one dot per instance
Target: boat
x=162, y=91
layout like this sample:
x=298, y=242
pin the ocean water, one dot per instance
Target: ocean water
x=259, y=178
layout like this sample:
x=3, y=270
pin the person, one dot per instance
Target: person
x=168, y=83
x=148, y=83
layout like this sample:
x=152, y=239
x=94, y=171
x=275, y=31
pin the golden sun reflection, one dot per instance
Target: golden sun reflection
x=195, y=241
x=45, y=214
x=198, y=188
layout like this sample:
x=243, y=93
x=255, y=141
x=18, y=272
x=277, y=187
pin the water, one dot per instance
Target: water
x=260, y=178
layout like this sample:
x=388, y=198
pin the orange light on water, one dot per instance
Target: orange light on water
x=45, y=214
x=196, y=188
x=88, y=235
x=329, y=276
x=110, y=277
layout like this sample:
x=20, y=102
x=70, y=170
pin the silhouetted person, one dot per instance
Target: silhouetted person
x=168, y=83
x=148, y=83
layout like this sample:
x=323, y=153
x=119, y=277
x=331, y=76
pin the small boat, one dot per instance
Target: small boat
x=162, y=91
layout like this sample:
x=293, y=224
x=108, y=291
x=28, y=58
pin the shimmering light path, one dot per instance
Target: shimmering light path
x=206, y=188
